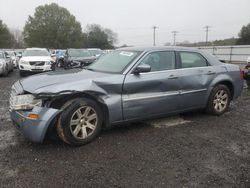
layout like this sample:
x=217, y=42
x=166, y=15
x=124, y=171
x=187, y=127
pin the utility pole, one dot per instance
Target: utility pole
x=174, y=33
x=206, y=30
x=154, y=28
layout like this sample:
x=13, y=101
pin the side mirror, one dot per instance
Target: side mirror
x=142, y=68
x=19, y=55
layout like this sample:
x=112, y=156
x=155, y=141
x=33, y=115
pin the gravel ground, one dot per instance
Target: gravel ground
x=188, y=150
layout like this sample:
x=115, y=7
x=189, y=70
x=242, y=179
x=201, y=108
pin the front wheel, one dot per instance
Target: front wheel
x=219, y=100
x=80, y=121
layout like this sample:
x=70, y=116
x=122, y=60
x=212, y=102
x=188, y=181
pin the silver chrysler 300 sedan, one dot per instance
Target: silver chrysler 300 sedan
x=129, y=84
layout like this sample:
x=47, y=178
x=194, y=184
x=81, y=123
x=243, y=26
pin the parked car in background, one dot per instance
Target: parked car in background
x=35, y=60
x=248, y=59
x=247, y=72
x=96, y=52
x=13, y=57
x=18, y=56
x=78, y=58
x=60, y=57
x=6, y=65
x=126, y=85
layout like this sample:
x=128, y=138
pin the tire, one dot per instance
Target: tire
x=21, y=74
x=219, y=100
x=53, y=67
x=248, y=83
x=60, y=63
x=75, y=126
x=6, y=71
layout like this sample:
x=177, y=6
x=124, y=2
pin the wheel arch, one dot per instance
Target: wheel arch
x=229, y=85
x=59, y=101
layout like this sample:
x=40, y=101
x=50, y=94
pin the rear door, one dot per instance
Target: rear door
x=195, y=75
x=152, y=93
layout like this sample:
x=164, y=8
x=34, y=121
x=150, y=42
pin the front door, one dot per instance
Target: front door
x=155, y=92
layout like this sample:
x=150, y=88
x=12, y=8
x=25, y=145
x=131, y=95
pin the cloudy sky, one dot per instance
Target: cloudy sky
x=133, y=19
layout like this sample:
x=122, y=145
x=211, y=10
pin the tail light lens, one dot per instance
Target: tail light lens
x=241, y=74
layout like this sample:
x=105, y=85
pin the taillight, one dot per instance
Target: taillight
x=241, y=74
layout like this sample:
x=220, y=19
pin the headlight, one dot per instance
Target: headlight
x=24, y=102
x=47, y=63
x=24, y=62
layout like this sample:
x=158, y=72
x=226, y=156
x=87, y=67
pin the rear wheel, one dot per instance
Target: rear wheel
x=219, y=100
x=80, y=121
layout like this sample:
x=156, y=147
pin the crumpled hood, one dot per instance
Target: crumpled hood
x=54, y=82
x=37, y=58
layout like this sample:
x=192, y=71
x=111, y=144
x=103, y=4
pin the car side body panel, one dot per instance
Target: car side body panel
x=128, y=96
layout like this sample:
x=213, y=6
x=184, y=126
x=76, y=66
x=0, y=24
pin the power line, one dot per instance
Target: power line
x=174, y=34
x=207, y=30
x=154, y=28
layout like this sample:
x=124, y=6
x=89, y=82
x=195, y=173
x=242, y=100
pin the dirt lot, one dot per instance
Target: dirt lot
x=190, y=150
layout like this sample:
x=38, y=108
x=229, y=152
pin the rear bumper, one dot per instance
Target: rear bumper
x=34, y=130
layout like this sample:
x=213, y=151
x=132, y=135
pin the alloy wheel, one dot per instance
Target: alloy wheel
x=220, y=100
x=83, y=122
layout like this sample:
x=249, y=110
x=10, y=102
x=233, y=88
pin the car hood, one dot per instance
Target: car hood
x=36, y=58
x=63, y=81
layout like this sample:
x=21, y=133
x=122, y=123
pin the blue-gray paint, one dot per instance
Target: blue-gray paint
x=128, y=96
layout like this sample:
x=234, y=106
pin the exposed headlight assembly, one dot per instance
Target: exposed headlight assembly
x=24, y=102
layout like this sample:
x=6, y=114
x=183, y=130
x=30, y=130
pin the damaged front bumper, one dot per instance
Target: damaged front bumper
x=34, y=129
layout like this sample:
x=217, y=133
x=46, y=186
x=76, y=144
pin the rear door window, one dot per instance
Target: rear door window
x=192, y=59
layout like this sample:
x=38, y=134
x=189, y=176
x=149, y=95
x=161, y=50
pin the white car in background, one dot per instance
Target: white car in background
x=13, y=57
x=6, y=65
x=248, y=59
x=35, y=60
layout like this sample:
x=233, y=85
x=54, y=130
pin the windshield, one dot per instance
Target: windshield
x=79, y=53
x=1, y=55
x=36, y=53
x=114, y=62
x=95, y=52
x=11, y=53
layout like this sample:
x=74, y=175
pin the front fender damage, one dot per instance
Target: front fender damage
x=34, y=129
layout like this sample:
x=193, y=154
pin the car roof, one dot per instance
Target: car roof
x=152, y=48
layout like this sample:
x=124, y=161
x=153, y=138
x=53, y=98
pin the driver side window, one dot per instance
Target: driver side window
x=159, y=61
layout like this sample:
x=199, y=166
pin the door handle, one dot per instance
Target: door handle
x=172, y=77
x=210, y=73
